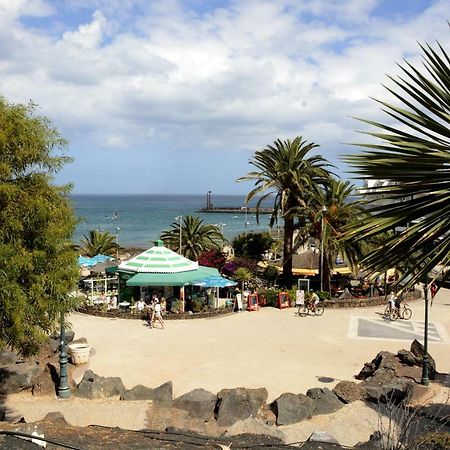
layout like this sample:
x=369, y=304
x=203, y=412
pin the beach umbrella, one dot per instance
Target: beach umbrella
x=215, y=281
x=85, y=261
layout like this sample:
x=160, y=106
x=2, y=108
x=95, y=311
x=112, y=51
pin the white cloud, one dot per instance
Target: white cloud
x=233, y=78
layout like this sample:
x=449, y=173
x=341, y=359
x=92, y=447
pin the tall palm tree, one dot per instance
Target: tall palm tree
x=285, y=171
x=99, y=242
x=196, y=237
x=327, y=214
x=413, y=155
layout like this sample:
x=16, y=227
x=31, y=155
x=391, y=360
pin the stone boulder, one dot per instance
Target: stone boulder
x=322, y=436
x=199, y=403
x=384, y=360
x=47, y=382
x=8, y=357
x=238, y=404
x=94, y=386
x=292, y=408
x=418, y=351
x=325, y=401
x=252, y=426
x=349, y=391
x=395, y=392
x=407, y=358
x=161, y=395
x=17, y=377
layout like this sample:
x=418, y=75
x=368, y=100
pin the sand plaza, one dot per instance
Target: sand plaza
x=271, y=348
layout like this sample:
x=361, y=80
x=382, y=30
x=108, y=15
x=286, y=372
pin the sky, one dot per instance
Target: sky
x=176, y=96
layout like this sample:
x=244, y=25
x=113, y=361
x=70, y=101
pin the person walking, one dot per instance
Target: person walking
x=157, y=314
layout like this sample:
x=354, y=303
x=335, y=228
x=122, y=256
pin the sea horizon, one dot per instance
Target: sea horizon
x=137, y=220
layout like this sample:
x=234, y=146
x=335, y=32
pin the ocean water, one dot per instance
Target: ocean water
x=138, y=220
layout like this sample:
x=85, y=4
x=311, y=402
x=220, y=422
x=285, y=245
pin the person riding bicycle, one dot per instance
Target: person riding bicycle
x=313, y=301
x=395, y=301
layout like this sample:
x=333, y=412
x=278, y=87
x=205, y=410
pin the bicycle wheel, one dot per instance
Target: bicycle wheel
x=406, y=314
x=387, y=311
x=303, y=311
x=319, y=310
x=393, y=314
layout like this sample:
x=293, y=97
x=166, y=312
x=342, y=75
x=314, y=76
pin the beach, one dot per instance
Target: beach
x=270, y=348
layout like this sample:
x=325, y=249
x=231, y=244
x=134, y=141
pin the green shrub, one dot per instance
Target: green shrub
x=271, y=296
x=323, y=295
x=196, y=305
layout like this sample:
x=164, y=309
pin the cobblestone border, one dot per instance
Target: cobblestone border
x=124, y=314
x=367, y=301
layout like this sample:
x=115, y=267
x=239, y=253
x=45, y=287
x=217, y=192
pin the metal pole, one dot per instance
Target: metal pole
x=324, y=209
x=117, y=242
x=63, y=388
x=425, y=381
x=246, y=218
x=181, y=228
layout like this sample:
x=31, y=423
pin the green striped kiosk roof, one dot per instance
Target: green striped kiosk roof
x=159, y=259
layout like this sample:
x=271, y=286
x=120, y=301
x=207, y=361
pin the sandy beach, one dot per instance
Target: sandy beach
x=271, y=348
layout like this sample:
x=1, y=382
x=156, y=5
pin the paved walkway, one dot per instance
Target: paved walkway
x=271, y=348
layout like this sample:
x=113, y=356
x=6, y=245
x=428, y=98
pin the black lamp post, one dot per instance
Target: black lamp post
x=425, y=381
x=63, y=388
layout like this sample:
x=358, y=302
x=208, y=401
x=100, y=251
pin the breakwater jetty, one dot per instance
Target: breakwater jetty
x=235, y=210
x=231, y=209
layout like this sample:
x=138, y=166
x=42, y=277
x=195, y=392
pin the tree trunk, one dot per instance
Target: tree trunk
x=287, y=250
x=326, y=272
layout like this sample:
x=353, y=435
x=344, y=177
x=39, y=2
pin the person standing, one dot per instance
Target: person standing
x=157, y=314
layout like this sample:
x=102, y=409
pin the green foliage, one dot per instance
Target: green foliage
x=37, y=264
x=243, y=275
x=285, y=172
x=252, y=245
x=271, y=273
x=271, y=296
x=99, y=242
x=196, y=237
x=413, y=155
x=323, y=295
x=328, y=226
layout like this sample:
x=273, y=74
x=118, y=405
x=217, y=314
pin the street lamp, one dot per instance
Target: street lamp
x=324, y=210
x=425, y=380
x=246, y=216
x=180, y=218
x=221, y=225
x=63, y=388
x=117, y=242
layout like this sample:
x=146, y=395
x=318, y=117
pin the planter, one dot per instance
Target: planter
x=80, y=353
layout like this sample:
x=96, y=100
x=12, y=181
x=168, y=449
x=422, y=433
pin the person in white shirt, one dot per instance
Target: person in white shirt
x=140, y=305
x=157, y=314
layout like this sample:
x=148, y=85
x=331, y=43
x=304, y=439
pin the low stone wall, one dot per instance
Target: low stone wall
x=127, y=314
x=367, y=301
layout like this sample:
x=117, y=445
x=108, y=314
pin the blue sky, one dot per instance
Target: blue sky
x=176, y=96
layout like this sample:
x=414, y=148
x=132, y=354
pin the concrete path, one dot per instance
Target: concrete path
x=270, y=348
x=274, y=349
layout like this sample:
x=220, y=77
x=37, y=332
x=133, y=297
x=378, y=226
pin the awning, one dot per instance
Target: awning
x=159, y=259
x=172, y=279
x=342, y=270
x=305, y=271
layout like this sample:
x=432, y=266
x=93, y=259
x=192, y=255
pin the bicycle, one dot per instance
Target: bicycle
x=306, y=308
x=403, y=312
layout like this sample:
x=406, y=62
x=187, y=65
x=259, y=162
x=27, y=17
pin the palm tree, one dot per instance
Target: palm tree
x=99, y=242
x=327, y=214
x=284, y=171
x=243, y=275
x=414, y=157
x=196, y=237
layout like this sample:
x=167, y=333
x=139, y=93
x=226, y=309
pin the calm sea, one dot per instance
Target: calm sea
x=138, y=220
